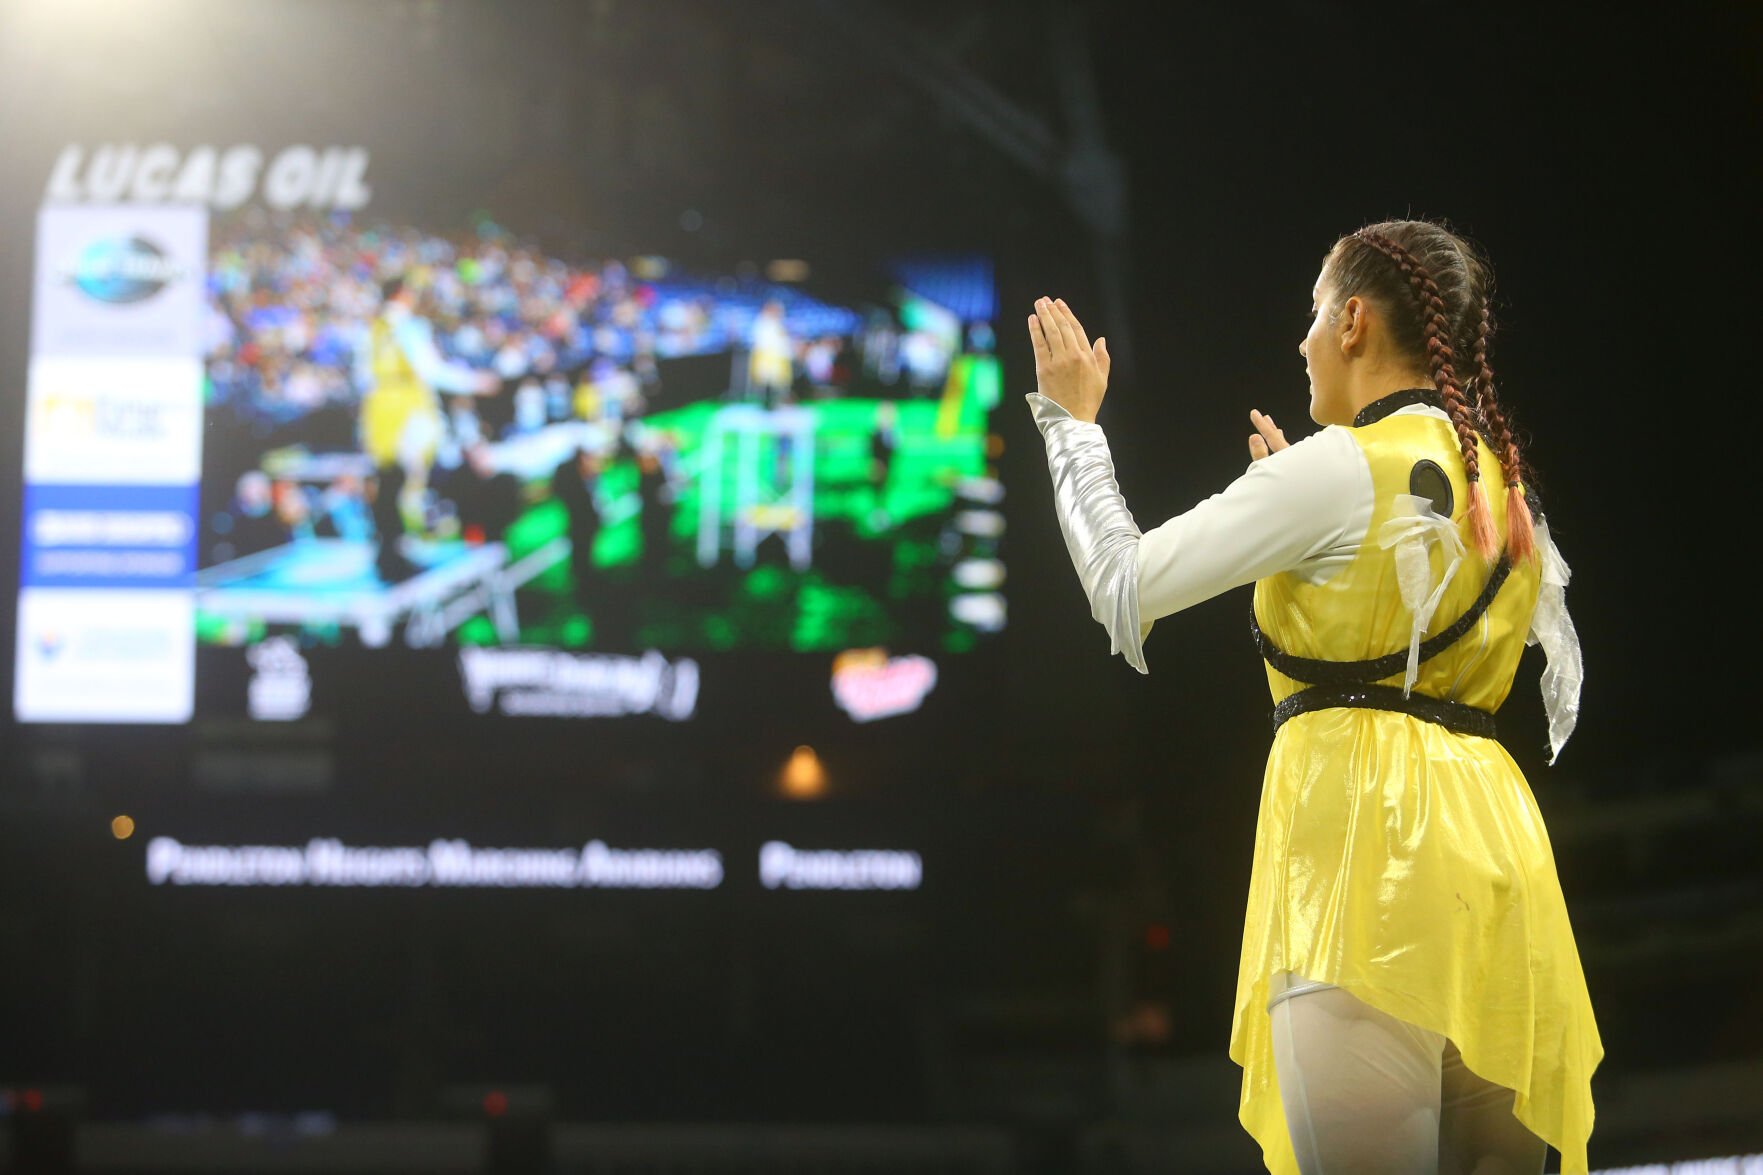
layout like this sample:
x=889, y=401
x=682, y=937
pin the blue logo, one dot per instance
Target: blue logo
x=122, y=270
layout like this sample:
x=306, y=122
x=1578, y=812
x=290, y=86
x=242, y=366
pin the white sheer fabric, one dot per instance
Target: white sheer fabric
x=1413, y=528
x=1368, y=1094
x=1552, y=628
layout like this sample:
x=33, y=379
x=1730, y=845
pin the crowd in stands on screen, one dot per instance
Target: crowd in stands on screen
x=267, y=512
x=290, y=306
x=291, y=301
x=249, y=524
x=909, y=362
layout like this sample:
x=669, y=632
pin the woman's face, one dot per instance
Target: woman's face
x=1323, y=361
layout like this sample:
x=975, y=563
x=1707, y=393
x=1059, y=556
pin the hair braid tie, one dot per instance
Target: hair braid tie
x=1437, y=331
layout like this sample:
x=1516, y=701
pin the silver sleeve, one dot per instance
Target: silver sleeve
x=1100, y=534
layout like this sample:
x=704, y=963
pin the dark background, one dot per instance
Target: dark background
x=1086, y=830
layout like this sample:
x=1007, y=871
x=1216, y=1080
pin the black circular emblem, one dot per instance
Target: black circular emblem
x=1427, y=480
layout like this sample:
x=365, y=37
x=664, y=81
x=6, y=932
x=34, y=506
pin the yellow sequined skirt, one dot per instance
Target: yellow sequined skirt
x=1409, y=866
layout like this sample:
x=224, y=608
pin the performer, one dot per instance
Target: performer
x=576, y=484
x=656, y=492
x=1409, y=996
x=770, y=367
x=401, y=415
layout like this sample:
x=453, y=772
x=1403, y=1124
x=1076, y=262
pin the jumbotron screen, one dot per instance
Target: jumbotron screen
x=266, y=419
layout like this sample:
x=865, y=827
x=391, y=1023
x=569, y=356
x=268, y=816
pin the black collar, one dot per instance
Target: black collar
x=1378, y=409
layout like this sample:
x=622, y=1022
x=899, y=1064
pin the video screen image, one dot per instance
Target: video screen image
x=430, y=438
x=275, y=436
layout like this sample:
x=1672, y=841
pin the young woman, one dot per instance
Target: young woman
x=1409, y=997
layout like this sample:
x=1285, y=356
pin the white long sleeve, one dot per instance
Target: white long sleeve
x=1306, y=508
x=1100, y=534
x=417, y=338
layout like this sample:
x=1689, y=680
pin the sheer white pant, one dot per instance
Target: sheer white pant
x=1367, y=1094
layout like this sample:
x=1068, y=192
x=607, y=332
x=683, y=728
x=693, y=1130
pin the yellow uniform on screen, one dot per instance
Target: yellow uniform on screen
x=401, y=415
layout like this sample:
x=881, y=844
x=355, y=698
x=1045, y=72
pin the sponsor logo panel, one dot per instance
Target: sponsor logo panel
x=119, y=280
x=104, y=656
x=109, y=536
x=114, y=421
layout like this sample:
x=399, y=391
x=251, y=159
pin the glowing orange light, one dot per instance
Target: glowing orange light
x=122, y=827
x=876, y=658
x=803, y=776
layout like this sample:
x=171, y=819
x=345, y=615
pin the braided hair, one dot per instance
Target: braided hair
x=1522, y=540
x=1435, y=289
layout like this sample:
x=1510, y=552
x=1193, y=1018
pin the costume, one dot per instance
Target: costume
x=400, y=424
x=769, y=366
x=1398, y=857
x=400, y=414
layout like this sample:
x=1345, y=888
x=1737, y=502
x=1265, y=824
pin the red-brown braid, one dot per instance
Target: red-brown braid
x=1520, y=529
x=1437, y=333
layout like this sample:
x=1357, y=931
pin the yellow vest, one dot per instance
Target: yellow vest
x=1359, y=614
x=1399, y=860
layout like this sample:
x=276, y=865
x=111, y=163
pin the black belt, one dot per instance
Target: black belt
x=1455, y=716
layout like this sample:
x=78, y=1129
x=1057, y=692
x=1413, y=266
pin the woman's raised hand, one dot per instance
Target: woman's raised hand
x=1267, y=438
x=1070, y=371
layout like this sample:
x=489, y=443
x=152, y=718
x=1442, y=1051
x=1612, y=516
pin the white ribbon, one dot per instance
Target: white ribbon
x=1413, y=528
x=1552, y=627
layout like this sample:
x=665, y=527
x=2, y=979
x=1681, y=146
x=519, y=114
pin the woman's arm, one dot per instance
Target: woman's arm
x=417, y=338
x=1306, y=506
x=1100, y=534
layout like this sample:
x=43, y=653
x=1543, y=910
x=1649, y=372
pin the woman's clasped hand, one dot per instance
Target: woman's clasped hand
x=1068, y=370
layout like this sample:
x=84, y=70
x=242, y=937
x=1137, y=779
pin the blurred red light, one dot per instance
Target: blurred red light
x=1157, y=936
x=495, y=1103
x=33, y=1100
